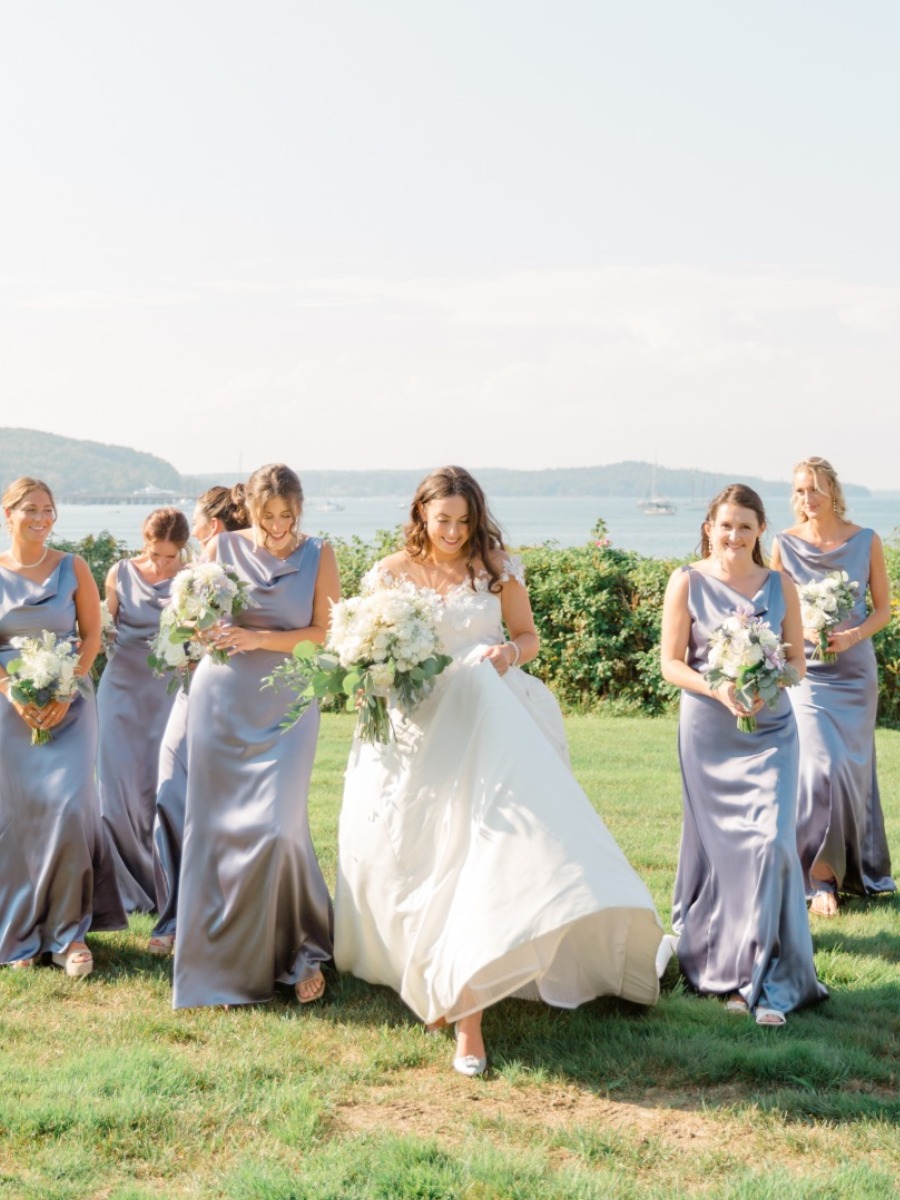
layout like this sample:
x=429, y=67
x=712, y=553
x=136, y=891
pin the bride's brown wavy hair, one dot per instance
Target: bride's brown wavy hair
x=484, y=538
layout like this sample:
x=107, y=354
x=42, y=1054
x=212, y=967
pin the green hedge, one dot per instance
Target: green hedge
x=598, y=613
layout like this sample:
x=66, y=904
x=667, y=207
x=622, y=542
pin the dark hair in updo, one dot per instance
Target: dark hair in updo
x=484, y=540
x=166, y=525
x=226, y=504
x=743, y=497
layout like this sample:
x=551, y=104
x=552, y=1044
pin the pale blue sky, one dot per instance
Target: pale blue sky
x=395, y=234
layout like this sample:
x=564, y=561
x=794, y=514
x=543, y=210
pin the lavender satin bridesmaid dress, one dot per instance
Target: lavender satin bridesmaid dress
x=253, y=906
x=739, y=908
x=133, y=705
x=839, y=817
x=56, y=875
x=168, y=828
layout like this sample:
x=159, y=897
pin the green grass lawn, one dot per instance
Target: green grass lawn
x=107, y=1093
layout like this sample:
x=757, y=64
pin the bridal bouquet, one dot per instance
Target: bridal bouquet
x=823, y=605
x=43, y=672
x=745, y=651
x=382, y=649
x=201, y=596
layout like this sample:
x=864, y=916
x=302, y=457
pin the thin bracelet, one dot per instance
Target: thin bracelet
x=515, y=646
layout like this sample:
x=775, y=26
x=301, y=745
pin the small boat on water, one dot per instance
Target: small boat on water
x=655, y=505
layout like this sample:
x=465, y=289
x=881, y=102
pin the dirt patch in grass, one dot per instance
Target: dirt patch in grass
x=446, y=1107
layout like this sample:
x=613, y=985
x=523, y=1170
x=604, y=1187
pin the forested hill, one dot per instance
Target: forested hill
x=618, y=479
x=73, y=467
x=80, y=470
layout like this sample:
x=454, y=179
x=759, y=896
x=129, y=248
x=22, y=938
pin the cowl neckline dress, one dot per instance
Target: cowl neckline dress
x=253, y=906
x=133, y=706
x=739, y=908
x=472, y=866
x=839, y=816
x=56, y=875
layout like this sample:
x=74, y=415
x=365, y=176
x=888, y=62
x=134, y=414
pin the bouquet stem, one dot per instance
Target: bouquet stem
x=40, y=737
x=747, y=724
x=373, y=723
x=821, y=652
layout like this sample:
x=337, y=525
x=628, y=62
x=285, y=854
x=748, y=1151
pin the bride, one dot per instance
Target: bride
x=471, y=864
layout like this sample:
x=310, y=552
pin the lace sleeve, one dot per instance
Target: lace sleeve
x=512, y=567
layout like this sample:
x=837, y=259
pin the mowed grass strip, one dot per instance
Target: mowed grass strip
x=109, y=1093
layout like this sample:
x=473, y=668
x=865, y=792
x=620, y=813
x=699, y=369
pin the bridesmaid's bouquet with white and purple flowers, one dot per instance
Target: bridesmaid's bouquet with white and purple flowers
x=174, y=652
x=824, y=604
x=43, y=672
x=382, y=649
x=745, y=651
x=201, y=596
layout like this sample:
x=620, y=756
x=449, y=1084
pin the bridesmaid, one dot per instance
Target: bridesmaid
x=134, y=705
x=217, y=510
x=56, y=875
x=254, y=909
x=840, y=825
x=738, y=910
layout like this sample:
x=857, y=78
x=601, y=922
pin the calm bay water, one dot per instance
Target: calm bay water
x=526, y=520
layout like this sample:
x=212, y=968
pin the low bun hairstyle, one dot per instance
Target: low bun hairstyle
x=226, y=504
x=166, y=525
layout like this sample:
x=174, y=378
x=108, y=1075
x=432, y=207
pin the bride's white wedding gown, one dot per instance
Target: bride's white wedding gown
x=471, y=864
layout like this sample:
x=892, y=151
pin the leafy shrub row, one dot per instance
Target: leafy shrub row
x=598, y=613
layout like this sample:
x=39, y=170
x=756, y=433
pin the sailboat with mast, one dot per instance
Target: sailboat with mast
x=655, y=505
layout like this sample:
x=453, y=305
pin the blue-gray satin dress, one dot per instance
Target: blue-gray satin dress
x=133, y=706
x=839, y=817
x=253, y=906
x=56, y=875
x=739, y=907
x=168, y=829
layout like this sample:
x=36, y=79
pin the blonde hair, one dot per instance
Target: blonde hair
x=19, y=489
x=274, y=481
x=821, y=470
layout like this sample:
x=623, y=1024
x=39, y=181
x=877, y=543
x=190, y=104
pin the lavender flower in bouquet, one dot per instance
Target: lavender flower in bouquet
x=824, y=604
x=382, y=650
x=745, y=651
x=43, y=673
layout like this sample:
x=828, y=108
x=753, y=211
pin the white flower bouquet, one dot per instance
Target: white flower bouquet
x=201, y=596
x=824, y=604
x=382, y=649
x=107, y=628
x=43, y=672
x=745, y=651
x=174, y=652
